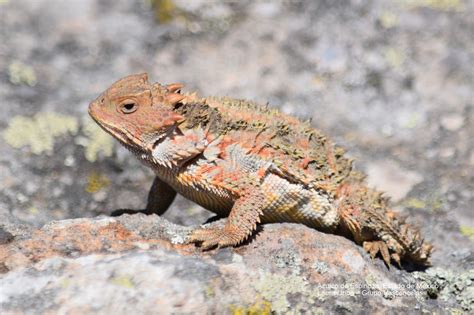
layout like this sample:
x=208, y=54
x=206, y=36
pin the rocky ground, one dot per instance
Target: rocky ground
x=392, y=81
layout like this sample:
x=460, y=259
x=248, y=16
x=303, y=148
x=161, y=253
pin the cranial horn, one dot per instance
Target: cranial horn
x=143, y=77
x=174, y=118
x=174, y=98
x=174, y=87
x=177, y=117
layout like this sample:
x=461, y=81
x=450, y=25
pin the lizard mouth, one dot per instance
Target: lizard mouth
x=125, y=137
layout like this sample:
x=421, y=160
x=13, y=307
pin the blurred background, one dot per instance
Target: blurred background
x=392, y=81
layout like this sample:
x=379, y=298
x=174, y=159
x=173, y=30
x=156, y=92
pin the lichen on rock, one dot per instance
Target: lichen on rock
x=96, y=142
x=40, y=131
x=20, y=73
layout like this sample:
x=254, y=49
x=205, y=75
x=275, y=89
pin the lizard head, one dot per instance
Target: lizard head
x=136, y=112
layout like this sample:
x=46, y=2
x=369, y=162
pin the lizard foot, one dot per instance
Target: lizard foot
x=240, y=224
x=373, y=248
x=209, y=238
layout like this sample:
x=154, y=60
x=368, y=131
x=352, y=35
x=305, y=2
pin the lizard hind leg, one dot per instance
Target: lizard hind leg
x=240, y=224
x=367, y=217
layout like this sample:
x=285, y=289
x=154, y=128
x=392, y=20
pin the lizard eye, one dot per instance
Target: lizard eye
x=128, y=106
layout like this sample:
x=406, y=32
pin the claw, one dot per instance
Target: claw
x=215, y=237
x=385, y=253
x=373, y=248
x=207, y=238
x=396, y=257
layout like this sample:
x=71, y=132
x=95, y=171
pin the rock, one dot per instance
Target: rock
x=389, y=177
x=139, y=264
x=5, y=236
x=452, y=122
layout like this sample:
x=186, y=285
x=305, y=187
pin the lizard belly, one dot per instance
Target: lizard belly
x=288, y=202
x=211, y=197
x=207, y=197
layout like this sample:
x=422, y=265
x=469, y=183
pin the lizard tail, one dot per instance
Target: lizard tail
x=367, y=218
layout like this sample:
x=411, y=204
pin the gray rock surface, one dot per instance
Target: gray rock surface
x=138, y=264
x=390, y=81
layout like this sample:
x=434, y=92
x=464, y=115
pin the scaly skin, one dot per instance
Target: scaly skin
x=250, y=163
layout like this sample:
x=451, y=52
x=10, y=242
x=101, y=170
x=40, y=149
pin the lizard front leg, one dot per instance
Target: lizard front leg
x=160, y=197
x=240, y=224
x=181, y=148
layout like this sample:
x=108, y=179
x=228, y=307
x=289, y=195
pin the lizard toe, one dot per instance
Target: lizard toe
x=209, y=238
x=375, y=247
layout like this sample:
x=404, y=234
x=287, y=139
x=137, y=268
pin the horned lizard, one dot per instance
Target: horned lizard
x=251, y=163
